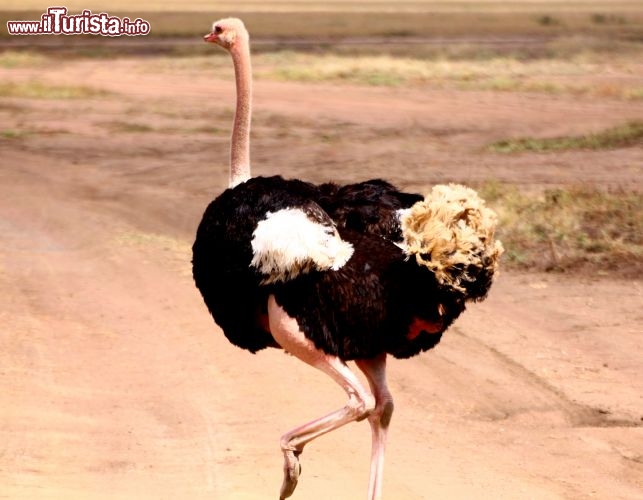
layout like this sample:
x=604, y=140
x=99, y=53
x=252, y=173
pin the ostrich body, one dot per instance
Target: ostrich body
x=335, y=273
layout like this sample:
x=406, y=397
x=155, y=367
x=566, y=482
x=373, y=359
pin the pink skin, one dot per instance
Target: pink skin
x=376, y=405
x=379, y=419
x=232, y=35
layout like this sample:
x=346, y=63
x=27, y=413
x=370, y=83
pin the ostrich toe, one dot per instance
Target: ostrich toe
x=292, y=470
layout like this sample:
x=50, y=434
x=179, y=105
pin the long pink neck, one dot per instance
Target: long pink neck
x=240, y=141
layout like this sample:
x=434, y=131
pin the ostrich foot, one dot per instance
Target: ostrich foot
x=292, y=470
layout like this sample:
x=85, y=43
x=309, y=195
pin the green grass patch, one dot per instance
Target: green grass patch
x=9, y=133
x=14, y=59
x=600, y=18
x=128, y=127
x=38, y=90
x=568, y=228
x=634, y=93
x=142, y=128
x=629, y=134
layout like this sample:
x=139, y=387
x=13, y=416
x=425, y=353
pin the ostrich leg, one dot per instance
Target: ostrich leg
x=380, y=417
x=287, y=333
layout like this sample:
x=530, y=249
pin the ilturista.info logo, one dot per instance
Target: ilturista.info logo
x=57, y=21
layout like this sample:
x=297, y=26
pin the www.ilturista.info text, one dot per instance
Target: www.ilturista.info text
x=56, y=21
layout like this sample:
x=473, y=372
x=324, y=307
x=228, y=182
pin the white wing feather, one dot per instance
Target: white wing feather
x=288, y=243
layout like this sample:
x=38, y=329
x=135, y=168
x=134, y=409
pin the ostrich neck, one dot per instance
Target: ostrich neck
x=240, y=142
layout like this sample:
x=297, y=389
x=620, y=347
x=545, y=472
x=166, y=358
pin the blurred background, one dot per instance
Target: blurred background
x=114, y=381
x=539, y=60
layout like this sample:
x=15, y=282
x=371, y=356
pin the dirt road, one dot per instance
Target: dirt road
x=115, y=383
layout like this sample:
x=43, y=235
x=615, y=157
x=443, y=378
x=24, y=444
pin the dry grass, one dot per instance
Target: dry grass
x=164, y=242
x=628, y=134
x=13, y=59
x=553, y=75
x=132, y=127
x=38, y=90
x=556, y=229
x=495, y=73
x=9, y=133
x=566, y=229
x=315, y=19
x=12, y=133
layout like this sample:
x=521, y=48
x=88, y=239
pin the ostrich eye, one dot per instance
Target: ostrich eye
x=218, y=30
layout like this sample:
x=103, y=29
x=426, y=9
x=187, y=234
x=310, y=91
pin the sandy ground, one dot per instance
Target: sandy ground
x=115, y=383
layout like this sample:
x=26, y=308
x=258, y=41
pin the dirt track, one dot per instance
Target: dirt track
x=115, y=383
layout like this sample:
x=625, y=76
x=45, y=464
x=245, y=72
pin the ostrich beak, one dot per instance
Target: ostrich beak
x=210, y=37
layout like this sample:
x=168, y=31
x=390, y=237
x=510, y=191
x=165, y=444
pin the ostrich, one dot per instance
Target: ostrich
x=336, y=273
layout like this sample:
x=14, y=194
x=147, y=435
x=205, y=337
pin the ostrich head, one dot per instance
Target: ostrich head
x=227, y=33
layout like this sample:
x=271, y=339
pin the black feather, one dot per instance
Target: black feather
x=363, y=309
x=368, y=306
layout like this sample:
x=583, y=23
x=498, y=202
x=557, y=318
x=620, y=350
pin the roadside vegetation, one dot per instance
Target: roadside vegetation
x=588, y=49
x=567, y=229
x=626, y=135
x=14, y=59
x=510, y=73
x=563, y=67
x=364, y=18
x=35, y=89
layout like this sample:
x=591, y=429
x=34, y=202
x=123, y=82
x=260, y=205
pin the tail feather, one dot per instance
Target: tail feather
x=451, y=232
